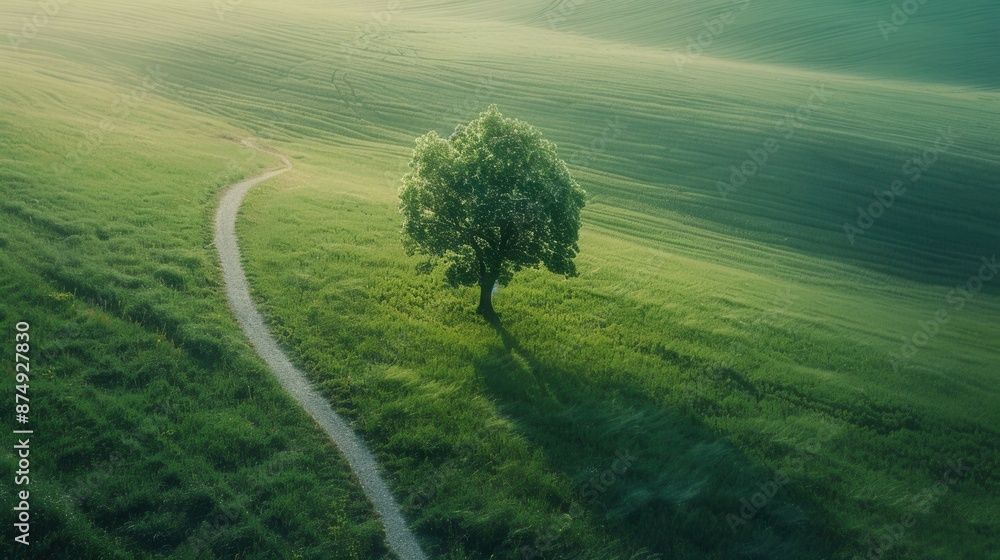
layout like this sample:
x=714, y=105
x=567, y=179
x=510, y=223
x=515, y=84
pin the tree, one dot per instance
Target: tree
x=492, y=199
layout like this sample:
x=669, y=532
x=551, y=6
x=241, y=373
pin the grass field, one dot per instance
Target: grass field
x=723, y=380
x=157, y=432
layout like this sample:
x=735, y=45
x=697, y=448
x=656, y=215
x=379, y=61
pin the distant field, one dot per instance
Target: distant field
x=728, y=328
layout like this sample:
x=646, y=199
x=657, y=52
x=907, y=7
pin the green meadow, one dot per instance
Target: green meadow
x=782, y=342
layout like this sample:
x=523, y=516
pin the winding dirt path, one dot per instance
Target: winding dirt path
x=399, y=537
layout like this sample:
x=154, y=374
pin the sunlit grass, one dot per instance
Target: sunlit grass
x=710, y=337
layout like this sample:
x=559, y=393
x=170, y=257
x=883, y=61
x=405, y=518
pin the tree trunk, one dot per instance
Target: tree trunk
x=486, y=299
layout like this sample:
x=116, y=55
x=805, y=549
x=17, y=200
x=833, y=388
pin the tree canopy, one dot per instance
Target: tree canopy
x=490, y=200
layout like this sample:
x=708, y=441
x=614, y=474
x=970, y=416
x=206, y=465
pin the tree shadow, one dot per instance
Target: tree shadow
x=659, y=480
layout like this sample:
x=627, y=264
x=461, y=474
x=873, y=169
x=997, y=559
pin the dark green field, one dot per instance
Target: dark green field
x=782, y=342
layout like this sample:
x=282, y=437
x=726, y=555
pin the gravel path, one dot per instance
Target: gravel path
x=399, y=537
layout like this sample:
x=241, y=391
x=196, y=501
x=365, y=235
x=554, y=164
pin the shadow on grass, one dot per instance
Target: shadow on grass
x=661, y=481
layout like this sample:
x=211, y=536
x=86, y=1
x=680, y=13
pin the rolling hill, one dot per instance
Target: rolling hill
x=775, y=218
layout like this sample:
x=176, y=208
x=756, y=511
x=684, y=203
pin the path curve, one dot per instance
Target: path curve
x=399, y=537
